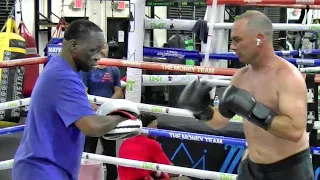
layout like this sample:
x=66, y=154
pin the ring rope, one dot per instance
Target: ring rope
x=141, y=65
x=183, y=54
x=176, y=135
x=173, y=80
x=203, y=174
x=186, y=25
x=310, y=69
x=187, y=54
x=141, y=107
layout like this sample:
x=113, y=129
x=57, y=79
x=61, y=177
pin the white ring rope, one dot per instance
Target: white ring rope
x=148, y=107
x=172, y=80
x=4, y=165
x=310, y=69
x=101, y=100
x=141, y=106
x=203, y=174
x=187, y=25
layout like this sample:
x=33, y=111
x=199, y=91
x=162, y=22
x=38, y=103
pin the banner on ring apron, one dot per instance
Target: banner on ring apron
x=53, y=48
x=12, y=46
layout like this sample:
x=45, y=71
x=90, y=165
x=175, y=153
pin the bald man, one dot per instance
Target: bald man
x=271, y=96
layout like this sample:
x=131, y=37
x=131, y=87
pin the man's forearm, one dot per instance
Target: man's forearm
x=104, y=124
x=282, y=127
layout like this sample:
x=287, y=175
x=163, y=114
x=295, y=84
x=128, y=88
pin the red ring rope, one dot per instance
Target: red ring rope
x=23, y=62
x=168, y=67
x=283, y=2
x=295, y=6
x=141, y=65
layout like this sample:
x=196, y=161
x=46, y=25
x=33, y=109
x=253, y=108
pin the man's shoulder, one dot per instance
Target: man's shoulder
x=289, y=77
x=63, y=74
x=288, y=71
x=59, y=77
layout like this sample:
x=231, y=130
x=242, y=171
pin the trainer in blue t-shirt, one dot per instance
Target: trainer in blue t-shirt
x=103, y=81
x=60, y=114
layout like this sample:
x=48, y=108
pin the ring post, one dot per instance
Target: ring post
x=135, y=49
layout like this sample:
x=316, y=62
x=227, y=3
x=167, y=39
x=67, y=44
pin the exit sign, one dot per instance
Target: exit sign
x=121, y=5
x=78, y=4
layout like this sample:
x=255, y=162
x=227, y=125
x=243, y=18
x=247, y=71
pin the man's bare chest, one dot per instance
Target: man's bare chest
x=263, y=89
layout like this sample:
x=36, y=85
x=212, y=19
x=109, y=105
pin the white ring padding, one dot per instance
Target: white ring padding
x=177, y=80
x=310, y=69
x=148, y=107
x=202, y=174
x=141, y=107
x=187, y=25
x=8, y=164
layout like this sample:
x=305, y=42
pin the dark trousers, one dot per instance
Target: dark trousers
x=295, y=167
x=109, y=149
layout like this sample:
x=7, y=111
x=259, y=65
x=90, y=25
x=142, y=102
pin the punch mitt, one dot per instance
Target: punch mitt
x=127, y=109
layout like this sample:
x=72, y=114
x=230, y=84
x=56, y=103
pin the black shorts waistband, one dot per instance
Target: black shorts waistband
x=285, y=163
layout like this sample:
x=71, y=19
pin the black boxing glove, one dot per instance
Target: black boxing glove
x=238, y=101
x=196, y=98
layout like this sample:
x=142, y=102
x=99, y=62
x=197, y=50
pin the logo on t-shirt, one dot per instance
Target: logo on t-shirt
x=106, y=77
x=101, y=77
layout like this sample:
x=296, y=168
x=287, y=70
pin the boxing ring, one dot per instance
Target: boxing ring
x=220, y=76
x=153, y=132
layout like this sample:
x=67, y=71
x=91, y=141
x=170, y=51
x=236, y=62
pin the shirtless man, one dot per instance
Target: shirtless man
x=271, y=96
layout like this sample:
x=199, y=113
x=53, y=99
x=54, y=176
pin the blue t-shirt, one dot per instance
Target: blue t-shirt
x=52, y=146
x=101, y=82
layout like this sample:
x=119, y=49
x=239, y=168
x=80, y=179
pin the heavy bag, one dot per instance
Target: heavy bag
x=179, y=41
x=31, y=71
x=54, y=45
x=53, y=48
x=12, y=46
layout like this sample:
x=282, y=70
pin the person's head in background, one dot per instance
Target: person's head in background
x=104, y=54
x=252, y=37
x=82, y=44
x=148, y=120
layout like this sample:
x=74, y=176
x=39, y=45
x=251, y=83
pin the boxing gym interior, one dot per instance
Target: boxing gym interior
x=173, y=42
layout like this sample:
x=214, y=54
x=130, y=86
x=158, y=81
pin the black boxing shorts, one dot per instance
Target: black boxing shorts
x=295, y=167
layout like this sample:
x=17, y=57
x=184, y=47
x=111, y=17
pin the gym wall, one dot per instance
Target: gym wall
x=96, y=11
